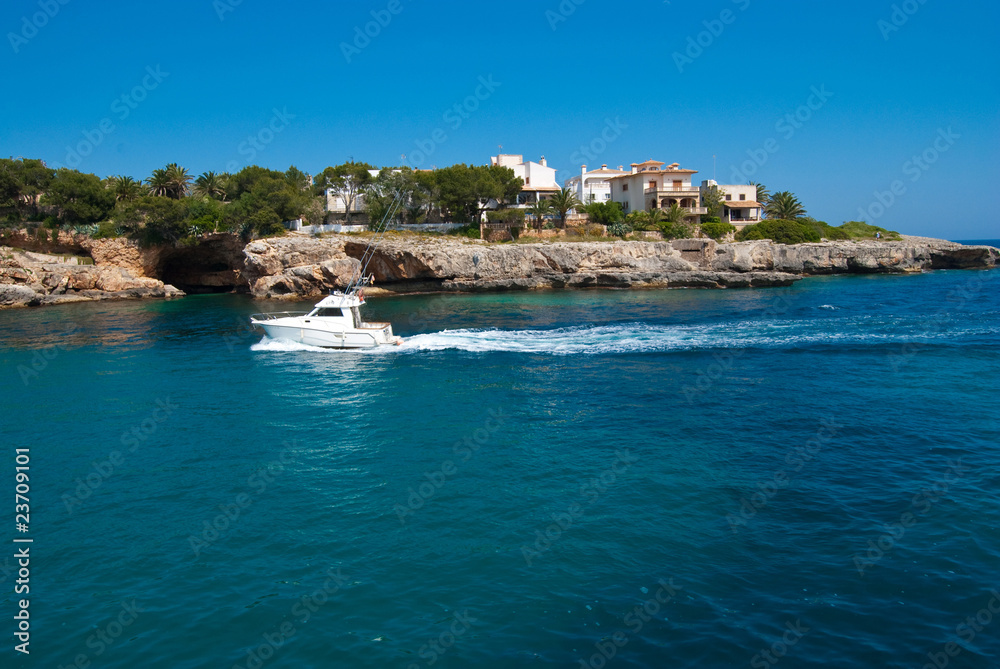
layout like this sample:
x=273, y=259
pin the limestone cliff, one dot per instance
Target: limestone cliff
x=297, y=266
x=29, y=280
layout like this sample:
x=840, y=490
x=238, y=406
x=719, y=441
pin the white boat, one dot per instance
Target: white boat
x=334, y=322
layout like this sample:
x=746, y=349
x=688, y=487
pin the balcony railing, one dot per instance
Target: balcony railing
x=671, y=192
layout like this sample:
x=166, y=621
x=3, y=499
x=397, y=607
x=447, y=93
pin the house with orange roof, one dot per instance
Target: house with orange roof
x=654, y=185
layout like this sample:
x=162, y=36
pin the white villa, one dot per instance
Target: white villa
x=539, y=178
x=650, y=185
x=595, y=185
x=740, y=207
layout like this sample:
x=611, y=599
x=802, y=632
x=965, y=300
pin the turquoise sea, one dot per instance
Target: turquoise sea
x=795, y=477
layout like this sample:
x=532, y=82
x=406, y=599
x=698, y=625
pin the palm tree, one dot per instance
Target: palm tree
x=656, y=216
x=784, y=206
x=179, y=179
x=126, y=189
x=563, y=202
x=676, y=213
x=538, y=210
x=159, y=183
x=209, y=184
x=762, y=195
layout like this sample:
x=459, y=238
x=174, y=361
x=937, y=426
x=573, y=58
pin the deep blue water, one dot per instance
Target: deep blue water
x=816, y=462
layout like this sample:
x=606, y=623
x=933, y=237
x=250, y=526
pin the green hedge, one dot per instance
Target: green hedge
x=779, y=231
x=716, y=229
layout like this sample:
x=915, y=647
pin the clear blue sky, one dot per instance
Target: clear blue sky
x=556, y=84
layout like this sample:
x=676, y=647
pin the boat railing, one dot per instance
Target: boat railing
x=278, y=314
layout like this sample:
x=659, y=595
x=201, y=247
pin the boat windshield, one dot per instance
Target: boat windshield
x=329, y=312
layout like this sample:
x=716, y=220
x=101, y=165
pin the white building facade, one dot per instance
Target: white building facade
x=595, y=185
x=539, y=179
x=740, y=207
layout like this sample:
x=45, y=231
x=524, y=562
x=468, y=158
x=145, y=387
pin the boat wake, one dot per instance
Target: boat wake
x=647, y=338
x=604, y=339
x=628, y=338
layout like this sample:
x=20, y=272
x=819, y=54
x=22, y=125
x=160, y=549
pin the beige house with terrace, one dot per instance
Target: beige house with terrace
x=652, y=185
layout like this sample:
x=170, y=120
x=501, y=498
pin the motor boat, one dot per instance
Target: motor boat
x=334, y=322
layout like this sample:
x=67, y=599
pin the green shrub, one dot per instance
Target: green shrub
x=674, y=230
x=619, y=229
x=639, y=220
x=779, y=231
x=605, y=213
x=716, y=229
x=862, y=230
x=823, y=229
x=272, y=230
x=106, y=230
x=710, y=219
x=471, y=231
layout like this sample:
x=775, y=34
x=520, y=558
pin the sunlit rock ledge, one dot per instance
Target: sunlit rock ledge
x=300, y=267
x=293, y=267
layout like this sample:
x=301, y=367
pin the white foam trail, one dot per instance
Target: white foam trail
x=628, y=338
x=645, y=338
x=282, y=345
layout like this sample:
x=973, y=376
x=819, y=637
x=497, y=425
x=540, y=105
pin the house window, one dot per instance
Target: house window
x=728, y=198
x=652, y=185
x=607, y=196
x=743, y=196
x=678, y=184
x=624, y=187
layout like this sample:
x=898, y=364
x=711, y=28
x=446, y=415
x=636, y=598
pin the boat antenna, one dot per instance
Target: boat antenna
x=360, y=278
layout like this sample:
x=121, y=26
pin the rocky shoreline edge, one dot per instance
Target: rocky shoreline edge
x=298, y=267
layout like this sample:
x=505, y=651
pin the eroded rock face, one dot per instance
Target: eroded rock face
x=294, y=266
x=24, y=283
x=851, y=257
x=123, y=253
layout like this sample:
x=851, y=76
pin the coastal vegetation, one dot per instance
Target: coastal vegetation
x=803, y=230
x=784, y=206
x=173, y=206
x=562, y=203
x=714, y=228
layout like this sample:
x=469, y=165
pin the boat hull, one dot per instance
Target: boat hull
x=312, y=334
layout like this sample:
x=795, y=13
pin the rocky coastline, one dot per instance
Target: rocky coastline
x=293, y=268
x=296, y=267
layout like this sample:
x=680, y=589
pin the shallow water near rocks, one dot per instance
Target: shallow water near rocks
x=713, y=474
